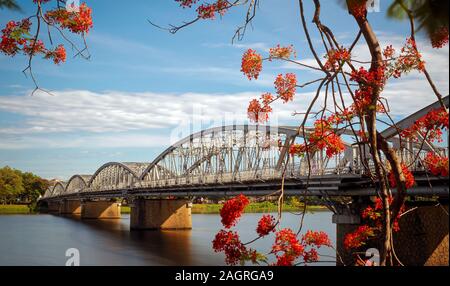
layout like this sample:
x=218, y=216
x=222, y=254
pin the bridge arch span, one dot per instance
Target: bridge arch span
x=48, y=192
x=189, y=152
x=115, y=175
x=58, y=189
x=224, y=154
x=77, y=183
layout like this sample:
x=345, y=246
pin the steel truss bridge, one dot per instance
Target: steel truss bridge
x=229, y=160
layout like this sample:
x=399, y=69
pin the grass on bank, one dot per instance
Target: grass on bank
x=14, y=209
x=263, y=207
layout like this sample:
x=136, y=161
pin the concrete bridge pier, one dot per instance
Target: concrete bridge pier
x=53, y=206
x=423, y=239
x=347, y=220
x=161, y=214
x=70, y=207
x=100, y=209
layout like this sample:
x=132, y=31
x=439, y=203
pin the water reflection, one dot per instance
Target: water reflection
x=43, y=240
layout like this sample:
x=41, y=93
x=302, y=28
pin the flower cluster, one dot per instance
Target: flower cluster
x=409, y=59
x=389, y=52
x=317, y=238
x=15, y=40
x=266, y=225
x=429, y=126
x=251, y=64
x=371, y=213
x=282, y=52
x=372, y=81
x=259, y=112
x=358, y=8
x=379, y=208
x=368, y=81
x=230, y=243
x=336, y=57
x=439, y=38
x=323, y=137
x=232, y=210
x=33, y=47
x=79, y=22
x=58, y=55
x=373, y=218
x=297, y=149
x=208, y=11
x=286, y=86
x=409, y=178
x=287, y=248
x=437, y=165
x=13, y=36
x=311, y=241
x=359, y=237
x=345, y=115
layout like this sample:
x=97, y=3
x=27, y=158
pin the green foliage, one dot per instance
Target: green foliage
x=429, y=15
x=11, y=185
x=16, y=186
x=295, y=202
x=9, y=4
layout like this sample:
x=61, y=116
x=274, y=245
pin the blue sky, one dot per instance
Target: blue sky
x=142, y=85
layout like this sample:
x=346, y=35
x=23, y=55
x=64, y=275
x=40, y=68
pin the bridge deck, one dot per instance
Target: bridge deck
x=327, y=185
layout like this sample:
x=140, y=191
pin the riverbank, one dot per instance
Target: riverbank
x=263, y=207
x=14, y=209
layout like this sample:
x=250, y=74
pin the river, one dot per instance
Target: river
x=44, y=239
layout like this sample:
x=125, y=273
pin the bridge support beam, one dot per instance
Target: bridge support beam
x=423, y=239
x=100, y=210
x=160, y=214
x=70, y=207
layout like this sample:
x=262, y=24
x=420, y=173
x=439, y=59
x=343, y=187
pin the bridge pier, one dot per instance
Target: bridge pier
x=53, y=206
x=70, y=207
x=163, y=214
x=100, y=210
x=423, y=239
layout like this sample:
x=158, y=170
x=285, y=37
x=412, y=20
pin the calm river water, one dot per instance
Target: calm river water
x=44, y=239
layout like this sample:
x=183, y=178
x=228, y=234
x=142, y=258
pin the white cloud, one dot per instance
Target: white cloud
x=109, y=117
x=85, y=141
x=244, y=46
x=80, y=110
x=81, y=118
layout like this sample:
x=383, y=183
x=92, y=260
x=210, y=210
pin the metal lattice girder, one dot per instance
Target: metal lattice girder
x=77, y=184
x=58, y=189
x=116, y=176
x=234, y=153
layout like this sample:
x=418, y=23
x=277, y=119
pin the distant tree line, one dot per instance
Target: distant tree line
x=20, y=187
